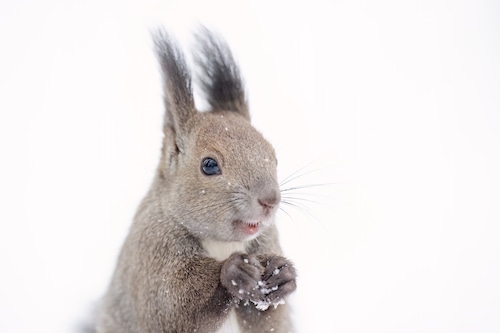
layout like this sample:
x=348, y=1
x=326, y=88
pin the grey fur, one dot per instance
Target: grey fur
x=166, y=278
x=220, y=77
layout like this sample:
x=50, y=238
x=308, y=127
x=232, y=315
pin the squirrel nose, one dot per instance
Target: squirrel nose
x=269, y=201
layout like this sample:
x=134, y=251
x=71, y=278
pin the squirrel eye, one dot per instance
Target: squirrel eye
x=210, y=167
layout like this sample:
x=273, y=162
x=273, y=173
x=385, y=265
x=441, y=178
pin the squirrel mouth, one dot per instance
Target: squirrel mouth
x=249, y=228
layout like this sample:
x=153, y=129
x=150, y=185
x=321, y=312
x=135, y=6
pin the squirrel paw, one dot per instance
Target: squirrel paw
x=263, y=280
x=241, y=274
x=278, y=279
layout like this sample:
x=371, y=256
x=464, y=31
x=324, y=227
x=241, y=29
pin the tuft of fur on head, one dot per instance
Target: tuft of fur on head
x=218, y=74
x=176, y=75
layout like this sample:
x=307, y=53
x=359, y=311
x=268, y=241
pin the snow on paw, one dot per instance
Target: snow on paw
x=277, y=281
x=241, y=274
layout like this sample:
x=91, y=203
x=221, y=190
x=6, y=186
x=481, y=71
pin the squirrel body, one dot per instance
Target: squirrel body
x=203, y=253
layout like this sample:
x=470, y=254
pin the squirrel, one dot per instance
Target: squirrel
x=203, y=254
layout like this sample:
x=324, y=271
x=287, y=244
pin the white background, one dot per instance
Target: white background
x=393, y=105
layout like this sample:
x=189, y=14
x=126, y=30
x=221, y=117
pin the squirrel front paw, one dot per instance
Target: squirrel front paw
x=278, y=279
x=241, y=274
x=264, y=280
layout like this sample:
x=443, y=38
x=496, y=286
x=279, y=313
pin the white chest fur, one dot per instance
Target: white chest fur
x=230, y=325
x=221, y=251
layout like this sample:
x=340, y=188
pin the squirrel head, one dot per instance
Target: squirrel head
x=217, y=176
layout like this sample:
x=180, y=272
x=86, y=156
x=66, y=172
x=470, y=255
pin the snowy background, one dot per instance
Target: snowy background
x=393, y=105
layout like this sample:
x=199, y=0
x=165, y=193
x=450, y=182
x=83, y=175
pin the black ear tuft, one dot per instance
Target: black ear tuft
x=219, y=75
x=178, y=94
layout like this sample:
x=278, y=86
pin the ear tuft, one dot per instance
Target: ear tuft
x=219, y=76
x=178, y=94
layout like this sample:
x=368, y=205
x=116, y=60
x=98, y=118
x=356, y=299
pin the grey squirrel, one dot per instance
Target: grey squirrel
x=203, y=254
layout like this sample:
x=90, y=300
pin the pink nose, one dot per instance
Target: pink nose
x=266, y=203
x=269, y=202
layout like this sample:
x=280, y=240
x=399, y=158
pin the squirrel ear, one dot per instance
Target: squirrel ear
x=219, y=76
x=178, y=94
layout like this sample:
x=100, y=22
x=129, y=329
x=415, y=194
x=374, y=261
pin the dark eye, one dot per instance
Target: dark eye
x=210, y=167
